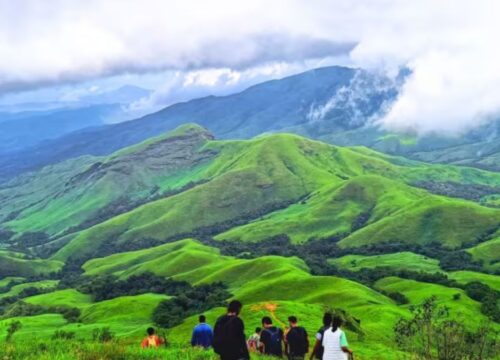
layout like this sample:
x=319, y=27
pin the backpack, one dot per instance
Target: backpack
x=299, y=339
x=274, y=342
x=320, y=350
x=222, y=335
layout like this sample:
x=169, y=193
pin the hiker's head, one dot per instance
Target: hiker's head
x=266, y=321
x=150, y=331
x=234, y=307
x=202, y=319
x=327, y=319
x=336, y=322
x=258, y=330
x=292, y=320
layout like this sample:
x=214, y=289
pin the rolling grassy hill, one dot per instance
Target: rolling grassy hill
x=174, y=206
x=217, y=185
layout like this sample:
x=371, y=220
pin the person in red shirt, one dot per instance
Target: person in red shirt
x=152, y=340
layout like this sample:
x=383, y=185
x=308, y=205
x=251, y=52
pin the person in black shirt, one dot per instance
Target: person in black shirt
x=296, y=340
x=229, y=334
x=318, y=346
x=271, y=338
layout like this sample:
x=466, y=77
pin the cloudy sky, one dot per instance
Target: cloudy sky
x=183, y=49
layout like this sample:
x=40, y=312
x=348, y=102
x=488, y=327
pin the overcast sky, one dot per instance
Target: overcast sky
x=190, y=48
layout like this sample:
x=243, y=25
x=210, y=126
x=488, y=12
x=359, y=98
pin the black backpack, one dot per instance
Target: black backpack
x=274, y=342
x=222, y=334
x=320, y=350
x=297, y=341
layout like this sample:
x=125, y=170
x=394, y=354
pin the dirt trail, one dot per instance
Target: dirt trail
x=271, y=308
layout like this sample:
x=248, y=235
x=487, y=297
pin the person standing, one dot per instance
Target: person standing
x=271, y=338
x=296, y=340
x=202, y=334
x=335, y=342
x=229, y=334
x=317, y=352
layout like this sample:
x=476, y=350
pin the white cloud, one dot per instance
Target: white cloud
x=450, y=46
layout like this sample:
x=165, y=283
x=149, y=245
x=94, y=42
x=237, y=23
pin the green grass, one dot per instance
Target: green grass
x=489, y=253
x=396, y=261
x=269, y=279
x=115, y=350
x=464, y=277
x=329, y=189
x=67, y=297
x=7, y=280
x=465, y=309
x=17, y=266
x=16, y=289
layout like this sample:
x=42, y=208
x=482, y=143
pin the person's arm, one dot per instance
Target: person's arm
x=285, y=340
x=307, y=340
x=211, y=336
x=317, y=345
x=144, y=343
x=344, y=345
x=193, y=338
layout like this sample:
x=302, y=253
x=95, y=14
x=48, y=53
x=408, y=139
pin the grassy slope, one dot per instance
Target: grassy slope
x=14, y=265
x=488, y=252
x=66, y=194
x=465, y=308
x=268, y=279
x=398, y=213
x=7, y=280
x=16, y=289
x=68, y=297
x=126, y=316
x=414, y=262
x=398, y=261
x=464, y=277
x=250, y=175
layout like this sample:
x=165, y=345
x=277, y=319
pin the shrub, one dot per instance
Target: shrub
x=102, y=335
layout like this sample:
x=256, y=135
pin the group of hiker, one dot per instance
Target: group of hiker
x=228, y=339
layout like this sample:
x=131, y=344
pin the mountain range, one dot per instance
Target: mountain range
x=99, y=226
x=335, y=104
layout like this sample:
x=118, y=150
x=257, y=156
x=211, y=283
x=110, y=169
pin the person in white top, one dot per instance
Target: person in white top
x=335, y=342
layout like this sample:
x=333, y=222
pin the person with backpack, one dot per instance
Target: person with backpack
x=202, y=334
x=152, y=340
x=253, y=342
x=317, y=352
x=296, y=340
x=229, y=334
x=271, y=338
x=335, y=342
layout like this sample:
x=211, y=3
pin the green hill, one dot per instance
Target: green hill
x=187, y=207
x=326, y=187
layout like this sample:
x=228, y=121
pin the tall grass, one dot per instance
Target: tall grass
x=86, y=350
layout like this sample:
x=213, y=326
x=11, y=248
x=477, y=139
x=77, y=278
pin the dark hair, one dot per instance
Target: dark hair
x=266, y=320
x=234, y=307
x=336, y=322
x=327, y=319
x=150, y=331
x=258, y=330
x=202, y=318
x=292, y=319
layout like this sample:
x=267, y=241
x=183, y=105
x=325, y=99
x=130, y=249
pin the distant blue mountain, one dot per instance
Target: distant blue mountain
x=333, y=104
x=316, y=102
x=27, y=125
x=27, y=129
